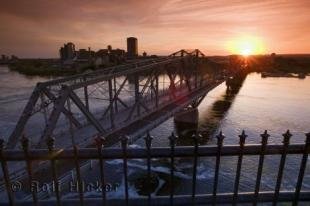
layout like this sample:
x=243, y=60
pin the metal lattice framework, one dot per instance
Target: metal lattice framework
x=129, y=98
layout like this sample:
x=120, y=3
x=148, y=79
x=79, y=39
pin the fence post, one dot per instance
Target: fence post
x=220, y=138
x=25, y=146
x=50, y=145
x=194, y=178
x=6, y=175
x=286, y=142
x=78, y=175
x=172, y=141
x=302, y=169
x=264, y=136
x=100, y=145
x=242, y=137
x=148, y=144
x=124, y=144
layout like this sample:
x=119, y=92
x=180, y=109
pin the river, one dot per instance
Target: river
x=273, y=104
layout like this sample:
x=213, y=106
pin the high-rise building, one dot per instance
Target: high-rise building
x=67, y=51
x=132, y=47
x=109, y=48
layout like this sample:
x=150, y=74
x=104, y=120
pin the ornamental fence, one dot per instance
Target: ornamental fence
x=77, y=156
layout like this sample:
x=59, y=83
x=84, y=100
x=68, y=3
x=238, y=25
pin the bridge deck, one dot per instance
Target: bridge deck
x=139, y=125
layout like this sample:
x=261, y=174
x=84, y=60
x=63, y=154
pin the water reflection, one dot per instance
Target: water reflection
x=209, y=120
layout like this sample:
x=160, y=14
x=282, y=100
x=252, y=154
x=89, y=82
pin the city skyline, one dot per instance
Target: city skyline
x=38, y=28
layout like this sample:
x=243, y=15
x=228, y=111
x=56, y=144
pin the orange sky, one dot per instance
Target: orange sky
x=37, y=28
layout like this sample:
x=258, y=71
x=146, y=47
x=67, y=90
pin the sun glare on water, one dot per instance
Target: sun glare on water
x=246, y=45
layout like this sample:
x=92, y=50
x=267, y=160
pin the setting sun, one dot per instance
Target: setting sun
x=246, y=45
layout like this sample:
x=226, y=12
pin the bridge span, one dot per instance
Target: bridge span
x=125, y=99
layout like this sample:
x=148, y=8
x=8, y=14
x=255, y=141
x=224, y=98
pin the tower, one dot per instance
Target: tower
x=132, y=47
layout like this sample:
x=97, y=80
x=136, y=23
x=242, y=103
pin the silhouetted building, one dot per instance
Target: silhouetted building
x=102, y=58
x=84, y=55
x=67, y=52
x=132, y=47
x=117, y=56
x=109, y=48
x=13, y=57
x=102, y=52
x=5, y=59
x=144, y=54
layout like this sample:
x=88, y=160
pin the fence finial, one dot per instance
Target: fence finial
x=50, y=142
x=25, y=142
x=287, y=135
x=1, y=144
x=265, y=136
x=148, y=140
x=220, y=138
x=99, y=141
x=242, y=137
x=196, y=137
x=124, y=141
x=308, y=138
x=172, y=139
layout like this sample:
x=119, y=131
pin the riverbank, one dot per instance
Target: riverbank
x=46, y=68
x=277, y=64
x=280, y=65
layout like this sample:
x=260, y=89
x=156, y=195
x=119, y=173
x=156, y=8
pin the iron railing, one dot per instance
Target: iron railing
x=148, y=153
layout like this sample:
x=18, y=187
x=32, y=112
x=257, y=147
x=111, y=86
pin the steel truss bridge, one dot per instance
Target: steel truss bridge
x=125, y=99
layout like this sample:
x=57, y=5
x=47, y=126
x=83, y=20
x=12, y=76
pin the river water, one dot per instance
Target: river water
x=273, y=104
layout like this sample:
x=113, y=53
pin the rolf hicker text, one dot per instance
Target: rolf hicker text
x=71, y=186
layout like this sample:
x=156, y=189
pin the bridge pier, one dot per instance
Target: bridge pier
x=186, y=121
x=235, y=82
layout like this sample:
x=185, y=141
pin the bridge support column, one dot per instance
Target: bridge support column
x=186, y=121
x=234, y=83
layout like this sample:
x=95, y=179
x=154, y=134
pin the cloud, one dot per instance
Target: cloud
x=39, y=27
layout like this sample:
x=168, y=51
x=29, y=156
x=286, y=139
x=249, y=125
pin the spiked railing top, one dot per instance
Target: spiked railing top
x=220, y=138
x=172, y=139
x=99, y=141
x=50, y=142
x=287, y=137
x=308, y=138
x=1, y=144
x=196, y=137
x=25, y=142
x=242, y=137
x=124, y=141
x=148, y=140
x=265, y=136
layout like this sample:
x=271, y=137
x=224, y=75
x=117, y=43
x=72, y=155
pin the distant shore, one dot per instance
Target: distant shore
x=45, y=71
x=46, y=68
x=275, y=66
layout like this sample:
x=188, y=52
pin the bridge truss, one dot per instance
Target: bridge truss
x=121, y=99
